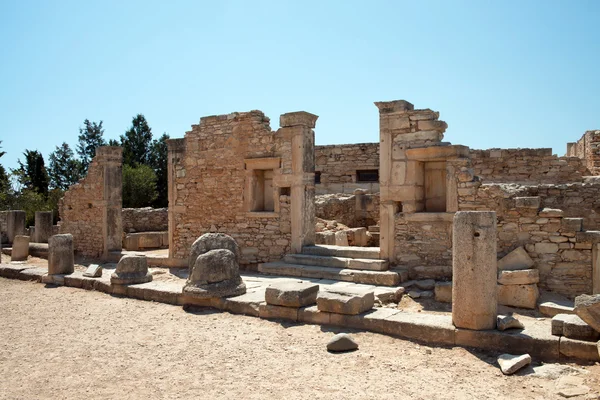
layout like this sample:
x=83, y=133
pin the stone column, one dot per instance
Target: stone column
x=20, y=248
x=111, y=159
x=15, y=224
x=43, y=226
x=60, y=254
x=176, y=149
x=299, y=125
x=474, y=270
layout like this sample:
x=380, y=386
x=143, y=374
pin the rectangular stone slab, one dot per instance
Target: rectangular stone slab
x=345, y=301
x=292, y=294
x=521, y=277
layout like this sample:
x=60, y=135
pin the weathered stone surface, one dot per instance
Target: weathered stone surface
x=15, y=224
x=522, y=277
x=443, y=292
x=516, y=259
x=546, y=248
x=557, y=324
x=474, y=299
x=581, y=349
x=93, y=271
x=292, y=294
x=426, y=284
x=43, y=226
x=212, y=241
x=61, y=259
x=389, y=295
x=588, y=309
x=270, y=311
x=551, y=213
x=509, y=364
x=522, y=296
x=505, y=322
x=20, y=248
x=345, y=301
x=575, y=328
x=571, y=386
x=131, y=269
x=297, y=118
x=342, y=342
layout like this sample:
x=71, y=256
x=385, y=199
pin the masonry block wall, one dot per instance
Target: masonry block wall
x=145, y=219
x=233, y=174
x=91, y=209
x=345, y=167
x=526, y=166
x=587, y=148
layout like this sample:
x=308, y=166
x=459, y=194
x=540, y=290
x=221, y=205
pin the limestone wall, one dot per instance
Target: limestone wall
x=338, y=166
x=223, y=175
x=526, y=166
x=587, y=148
x=360, y=210
x=145, y=219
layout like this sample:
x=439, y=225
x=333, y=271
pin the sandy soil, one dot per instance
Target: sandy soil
x=60, y=342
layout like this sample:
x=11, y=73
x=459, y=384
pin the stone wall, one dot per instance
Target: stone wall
x=338, y=166
x=145, y=219
x=526, y=166
x=358, y=210
x=587, y=148
x=91, y=209
x=232, y=174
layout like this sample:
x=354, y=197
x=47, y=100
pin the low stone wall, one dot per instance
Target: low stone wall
x=526, y=166
x=338, y=166
x=145, y=219
x=354, y=211
x=587, y=148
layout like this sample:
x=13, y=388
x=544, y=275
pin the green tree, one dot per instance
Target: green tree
x=158, y=160
x=136, y=142
x=113, y=142
x=90, y=138
x=32, y=175
x=64, y=169
x=139, y=186
x=4, y=179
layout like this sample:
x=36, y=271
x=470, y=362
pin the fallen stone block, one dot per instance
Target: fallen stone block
x=521, y=277
x=575, y=328
x=515, y=260
x=345, y=301
x=443, y=292
x=389, y=295
x=588, y=309
x=505, y=322
x=521, y=296
x=292, y=294
x=93, y=271
x=509, y=363
x=557, y=324
x=342, y=342
x=131, y=269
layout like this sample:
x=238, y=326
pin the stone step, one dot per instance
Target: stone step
x=337, y=262
x=371, y=253
x=380, y=278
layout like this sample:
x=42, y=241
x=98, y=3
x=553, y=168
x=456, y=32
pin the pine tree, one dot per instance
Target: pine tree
x=136, y=142
x=159, y=162
x=64, y=169
x=90, y=138
x=32, y=175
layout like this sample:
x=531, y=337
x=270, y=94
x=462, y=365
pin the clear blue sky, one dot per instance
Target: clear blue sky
x=501, y=73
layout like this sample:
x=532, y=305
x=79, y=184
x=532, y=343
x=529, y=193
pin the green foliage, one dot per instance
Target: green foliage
x=159, y=161
x=64, y=170
x=90, y=138
x=136, y=142
x=29, y=201
x=139, y=186
x=32, y=175
x=4, y=180
x=113, y=142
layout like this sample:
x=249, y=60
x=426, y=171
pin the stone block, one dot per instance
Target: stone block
x=298, y=118
x=521, y=296
x=516, y=259
x=312, y=315
x=93, y=271
x=474, y=300
x=269, y=311
x=20, y=248
x=522, y=277
x=131, y=269
x=557, y=324
x=574, y=327
x=551, y=213
x=15, y=224
x=61, y=259
x=571, y=225
x=443, y=292
x=546, y=248
x=588, y=309
x=345, y=301
x=527, y=202
x=579, y=349
x=292, y=294
x=509, y=363
x=43, y=226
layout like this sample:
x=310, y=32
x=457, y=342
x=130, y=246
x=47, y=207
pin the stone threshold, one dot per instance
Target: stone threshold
x=432, y=329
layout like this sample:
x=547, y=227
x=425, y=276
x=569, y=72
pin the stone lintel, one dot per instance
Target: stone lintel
x=386, y=107
x=437, y=153
x=296, y=118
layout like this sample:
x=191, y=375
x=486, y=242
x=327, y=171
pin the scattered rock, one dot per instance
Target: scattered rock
x=93, y=271
x=509, y=363
x=505, y=322
x=292, y=294
x=345, y=301
x=588, y=309
x=389, y=295
x=427, y=294
x=414, y=294
x=516, y=259
x=426, y=284
x=342, y=342
x=571, y=386
x=131, y=269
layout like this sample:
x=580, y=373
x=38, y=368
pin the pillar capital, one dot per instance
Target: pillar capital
x=386, y=107
x=298, y=118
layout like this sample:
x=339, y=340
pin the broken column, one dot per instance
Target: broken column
x=474, y=297
x=131, y=269
x=214, y=268
x=60, y=254
x=15, y=224
x=20, y=248
x=43, y=226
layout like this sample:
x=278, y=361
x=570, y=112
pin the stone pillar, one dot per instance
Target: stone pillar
x=111, y=159
x=15, y=224
x=176, y=148
x=474, y=270
x=20, y=248
x=298, y=125
x=60, y=254
x=43, y=226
